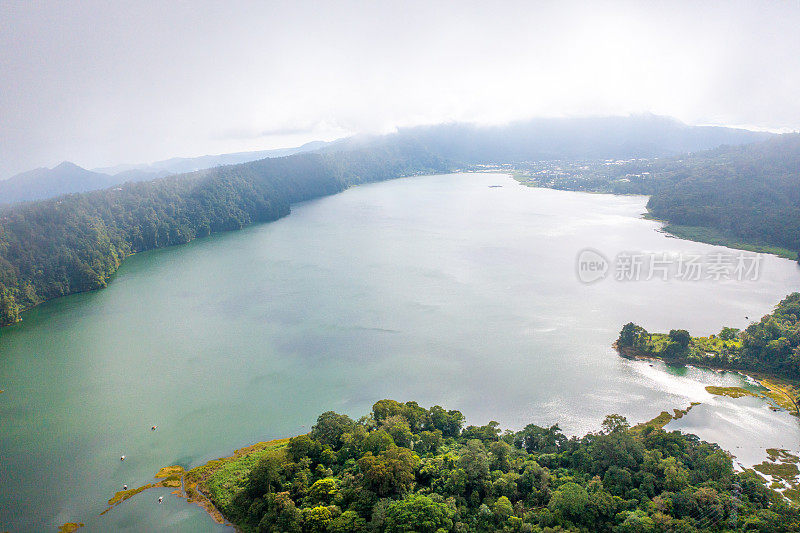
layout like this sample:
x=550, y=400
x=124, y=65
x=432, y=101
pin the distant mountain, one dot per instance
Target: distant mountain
x=179, y=165
x=67, y=178
x=574, y=138
x=48, y=182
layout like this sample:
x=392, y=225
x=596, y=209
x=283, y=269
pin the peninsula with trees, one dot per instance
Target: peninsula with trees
x=403, y=468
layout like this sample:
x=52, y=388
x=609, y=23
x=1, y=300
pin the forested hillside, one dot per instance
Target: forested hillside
x=533, y=140
x=751, y=192
x=68, y=178
x=75, y=243
x=406, y=469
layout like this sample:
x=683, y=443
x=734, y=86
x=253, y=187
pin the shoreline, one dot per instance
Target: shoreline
x=776, y=385
x=714, y=237
x=193, y=487
x=191, y=484
x=21, y=311
x=702, y=234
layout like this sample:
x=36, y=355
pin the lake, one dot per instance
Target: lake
x=439, y=289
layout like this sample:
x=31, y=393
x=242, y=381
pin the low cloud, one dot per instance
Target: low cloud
x=98, y=83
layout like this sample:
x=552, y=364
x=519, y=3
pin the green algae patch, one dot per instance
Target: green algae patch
x=69, y=527
x=782, y=468
x=781, y=393
x=776, y=455
x=793, y=495
x=170, y=478
x=664, y=418
x=679, y=413
x=123, y=495
x=784, y=471
x=170, y=471
x=732, y=392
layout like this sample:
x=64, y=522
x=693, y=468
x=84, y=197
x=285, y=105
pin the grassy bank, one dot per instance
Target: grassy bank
x=212, y=485
x=719, y=238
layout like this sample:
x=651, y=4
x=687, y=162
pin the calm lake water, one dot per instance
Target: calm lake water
x=438, y=289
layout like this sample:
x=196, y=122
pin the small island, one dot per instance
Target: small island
x=768, y=350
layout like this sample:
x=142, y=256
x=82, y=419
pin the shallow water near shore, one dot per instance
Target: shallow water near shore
x=437, y=289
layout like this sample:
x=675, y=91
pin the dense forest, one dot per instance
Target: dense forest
x=408, y=469
x=75, y=243
x=771, y=345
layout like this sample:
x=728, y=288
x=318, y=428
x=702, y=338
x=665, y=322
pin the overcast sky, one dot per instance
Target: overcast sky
x=102, y=83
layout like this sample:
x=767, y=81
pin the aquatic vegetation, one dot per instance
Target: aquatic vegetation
x=123, y=495
x=169, y=471
x=782, y=469
x=731, y=392
x=663, y=419
x=171, y=478
x=776, y=454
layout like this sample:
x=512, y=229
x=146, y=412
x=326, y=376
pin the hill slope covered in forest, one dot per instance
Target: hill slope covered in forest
x=76, y=242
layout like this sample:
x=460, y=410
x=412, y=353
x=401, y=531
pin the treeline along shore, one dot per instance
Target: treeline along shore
x=75, y=243
x=403, y=469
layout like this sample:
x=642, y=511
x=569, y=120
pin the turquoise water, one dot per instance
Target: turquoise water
x=438, y=289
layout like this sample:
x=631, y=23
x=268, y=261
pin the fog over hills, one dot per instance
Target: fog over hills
x=575, y=138
x=635, y=136
x=177, y=165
